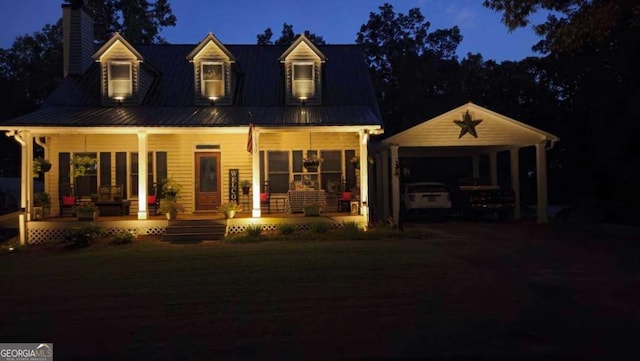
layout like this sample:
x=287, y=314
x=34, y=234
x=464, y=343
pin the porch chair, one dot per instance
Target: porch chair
x=105, y=193
x=68, y=200
x=153, y=202
x=265, y=197
x=344, y=202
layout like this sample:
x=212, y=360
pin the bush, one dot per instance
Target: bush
x=352, y=230
x=254, y=231
x=319, y=227
x=84, y=236
x=284, y=229
x=123, y=237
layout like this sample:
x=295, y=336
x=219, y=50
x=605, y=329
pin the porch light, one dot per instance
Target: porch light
x=212, y=100
x=119, y=99
x=303, y=101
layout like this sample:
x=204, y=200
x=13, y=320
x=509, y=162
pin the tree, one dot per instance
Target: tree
x=139, y=21
x=404, y=59
x=287, y=36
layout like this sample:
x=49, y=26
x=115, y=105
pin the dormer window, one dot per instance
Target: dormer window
x=212, y=80
x=120, y=79
x=303, y=80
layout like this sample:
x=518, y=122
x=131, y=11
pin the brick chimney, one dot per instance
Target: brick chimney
x=77, y=34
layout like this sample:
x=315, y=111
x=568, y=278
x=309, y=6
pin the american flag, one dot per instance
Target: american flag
x=250, y=139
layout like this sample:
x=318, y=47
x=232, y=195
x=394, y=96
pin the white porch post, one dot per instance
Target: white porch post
x=26, y=177
x=395, y=184
x=28, y=182
x=541, y=175
x=364, y=175
x=515, y=180
x=142, y=174
x=493, y=168
x=255, y=167
x=383, y=182
x=476, y=166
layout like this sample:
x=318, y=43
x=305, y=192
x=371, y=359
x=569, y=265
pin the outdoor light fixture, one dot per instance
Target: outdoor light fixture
x=119, y=99
x=303, y=101
x=212, y=100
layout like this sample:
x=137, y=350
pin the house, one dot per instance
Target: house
x=207, y=115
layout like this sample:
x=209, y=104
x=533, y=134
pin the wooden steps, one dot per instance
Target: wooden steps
x=191, y=230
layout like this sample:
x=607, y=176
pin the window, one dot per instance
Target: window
x=120, y=79
x=331, y=171
x=212, y=80
x=87, y=182
x=303, y=80
x=278, y=171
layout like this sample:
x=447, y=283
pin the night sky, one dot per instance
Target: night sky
x=337, y=21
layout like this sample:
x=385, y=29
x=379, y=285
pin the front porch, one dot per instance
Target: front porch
x=55, y=229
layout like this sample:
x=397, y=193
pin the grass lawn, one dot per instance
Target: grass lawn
x=440, y=293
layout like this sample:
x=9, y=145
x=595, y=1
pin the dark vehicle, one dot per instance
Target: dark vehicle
x=481, y=200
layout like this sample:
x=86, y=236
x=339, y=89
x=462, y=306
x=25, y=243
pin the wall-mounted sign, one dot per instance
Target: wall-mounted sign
x=234, y=177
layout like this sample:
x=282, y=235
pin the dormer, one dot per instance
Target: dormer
x=122, y=81
x=303, y=72
x=214, y=79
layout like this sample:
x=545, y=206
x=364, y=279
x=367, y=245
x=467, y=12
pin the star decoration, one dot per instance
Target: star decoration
x=467, y=125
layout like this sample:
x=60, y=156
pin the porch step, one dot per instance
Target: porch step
x=190, y=230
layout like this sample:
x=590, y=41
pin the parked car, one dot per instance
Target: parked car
x=426, y=196
x=483, y=199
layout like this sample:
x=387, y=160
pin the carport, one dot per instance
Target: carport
x=467, y=131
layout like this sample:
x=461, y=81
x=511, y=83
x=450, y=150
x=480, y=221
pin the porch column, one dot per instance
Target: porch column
x=27, y=204
x=383, y=184
x=142, y=172
x=493, y=168
x=255, y=167
x=364, y=175
x=24, y=139
x=541, y=175
x=515, y=180
x=395, y=183
x=476, y=166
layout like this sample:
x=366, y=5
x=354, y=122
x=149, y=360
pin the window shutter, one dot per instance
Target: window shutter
x=64, y=161
x=121, y=171
x=161, y=167
x=105, y=168
x=350, y=176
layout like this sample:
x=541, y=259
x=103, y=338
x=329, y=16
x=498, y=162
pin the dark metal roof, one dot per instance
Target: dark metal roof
x=348, y=95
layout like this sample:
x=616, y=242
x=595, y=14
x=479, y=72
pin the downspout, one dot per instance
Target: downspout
x=23, y=188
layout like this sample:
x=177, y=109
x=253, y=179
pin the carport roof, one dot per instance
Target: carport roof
x=494, y=131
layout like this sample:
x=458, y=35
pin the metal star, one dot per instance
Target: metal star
x=468, y=125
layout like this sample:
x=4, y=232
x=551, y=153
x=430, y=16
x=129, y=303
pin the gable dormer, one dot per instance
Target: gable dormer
x=120, y=74
x=214, y=79
x=303, y=72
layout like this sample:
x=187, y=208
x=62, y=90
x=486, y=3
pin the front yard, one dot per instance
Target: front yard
x=446, y=291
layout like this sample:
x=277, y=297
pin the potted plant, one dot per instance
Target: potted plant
x=229, y=209
x=170, y=207
x=311, y=210
x=246, y=186
x=83, y=164
x=311, y=162
x=171, y=188
x=42, y=199
x=87, y=212
x=40, y=165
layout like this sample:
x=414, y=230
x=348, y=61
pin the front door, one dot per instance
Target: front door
x=208, y=181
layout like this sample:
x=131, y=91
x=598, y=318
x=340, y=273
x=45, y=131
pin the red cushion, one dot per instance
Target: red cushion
x=264, y=197
x=68, y=200
x=346, y=196
x=151, y=199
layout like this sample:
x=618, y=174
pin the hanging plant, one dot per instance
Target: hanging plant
x=40, y=165
x=311, y=163
x=83, y=164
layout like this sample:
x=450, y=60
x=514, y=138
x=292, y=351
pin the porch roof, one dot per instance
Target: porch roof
x=193, y=116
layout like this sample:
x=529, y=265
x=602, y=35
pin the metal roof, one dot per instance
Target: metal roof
x=348, y=95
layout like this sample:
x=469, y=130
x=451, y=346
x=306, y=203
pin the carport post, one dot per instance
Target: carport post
x=395, y=184
x=515, y=180
x=383, y=181
x=541, y=174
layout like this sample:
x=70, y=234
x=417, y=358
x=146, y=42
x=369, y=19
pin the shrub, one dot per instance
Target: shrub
x=284, y=229
x=84, y=236
x=319, y=227
x=351, y=230
x=123, y=237
x=254, y=231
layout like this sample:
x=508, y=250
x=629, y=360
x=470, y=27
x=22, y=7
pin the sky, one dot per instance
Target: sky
x=337, y=21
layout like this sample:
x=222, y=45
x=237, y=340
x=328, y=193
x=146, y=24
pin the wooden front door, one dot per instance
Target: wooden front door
x=208, y=181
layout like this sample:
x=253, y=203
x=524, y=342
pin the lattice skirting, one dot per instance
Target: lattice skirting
x=52, y=232
x=240, y=225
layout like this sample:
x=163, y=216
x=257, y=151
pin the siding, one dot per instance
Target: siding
x=304, y=53
x=120, y=52
x=211, y=52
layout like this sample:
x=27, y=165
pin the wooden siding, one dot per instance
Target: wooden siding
x=120, y=52
x=303, y=53
x=212, y=53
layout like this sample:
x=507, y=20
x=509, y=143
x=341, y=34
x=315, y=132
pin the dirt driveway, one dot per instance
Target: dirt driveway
x=450, y=291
